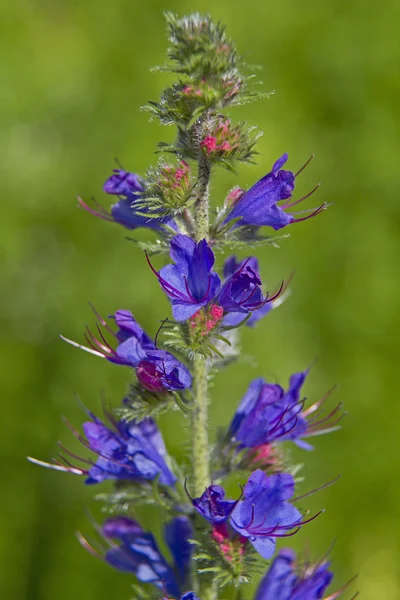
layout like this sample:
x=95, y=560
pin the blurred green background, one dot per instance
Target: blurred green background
x=72, y=78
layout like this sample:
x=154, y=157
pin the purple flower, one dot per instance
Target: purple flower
x=139, y=552
x=157, y=370
x=268, y=414
x=265, y=513
x=285, y=581
x=128, y=211
x=131, y=450
x=262, y=515
x=259, y=205
x=213, y=506
x=123, y=183
x=125, y=452
x=241, y=292
x=190, y=283
x=190, y=596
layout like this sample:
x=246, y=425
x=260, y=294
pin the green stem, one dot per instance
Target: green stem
x=201, y=206
x=201, y=469
x=200, y=454
x=200, y=451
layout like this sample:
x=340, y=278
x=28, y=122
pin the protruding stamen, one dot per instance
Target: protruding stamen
x=103, y=321
x=304, y=166
x=83, y=542
x=313, y=214
x=101, y=213
x=342, y=589
x=159, y=331
x=291, y=204
x=85, y=348
x=318, y=489
x=41, y=463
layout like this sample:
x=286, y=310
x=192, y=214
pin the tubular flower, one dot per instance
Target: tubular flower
x=190, y=283
x=213, y=506
x=241, y=292
x=139, y=553
x=125, y=451
x=286, y=580
x=157, y=370
x=268, y=414
x=129, y=451
x=262, y=515
x=259, y=205
x=126, y=211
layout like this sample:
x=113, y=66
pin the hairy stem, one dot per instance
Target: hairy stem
x=201, y=469
x=201, y=206
x=200, y=454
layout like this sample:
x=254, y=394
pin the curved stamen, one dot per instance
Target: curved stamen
x=304, y=166
x=167, y=287
x=84, y=460
x=317, y=424
x=189, y=293
x=103, y=321
x=102, y=213
x=342, y=589
x=70, y=465
x=267, y=532
x=93, y=342
x=186, y=489
x=313, y=214
x=208, y=290
x=268, y=298
x=85, y=544
x=102, y=336
x=319, y=403
x=159, y=330
x=243, y=301
x=291, y=204
x=318, y=489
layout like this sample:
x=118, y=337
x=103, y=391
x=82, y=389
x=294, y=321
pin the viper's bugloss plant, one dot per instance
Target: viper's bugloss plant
x=211, y=543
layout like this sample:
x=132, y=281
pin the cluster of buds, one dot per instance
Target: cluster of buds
x=223, y=139
x=216, y=94
x=204, y=321
x=175, y=180
x=168, y=188
x=224, y=142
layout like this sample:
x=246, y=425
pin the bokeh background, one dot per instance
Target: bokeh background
x=73, y=76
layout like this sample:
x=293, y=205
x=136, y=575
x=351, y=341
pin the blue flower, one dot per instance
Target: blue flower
x=162, y=371
x=157, y=370
x=130, y=451
x=213, y=506
x=125, y=452
x=241, y=292
x=123, y=183
x=265, y=513
x=139, y=552
x=128, y=211
x=261, y=515
x=284, y=580
x=268, y=414
x=190, y=283
x=259, y=205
